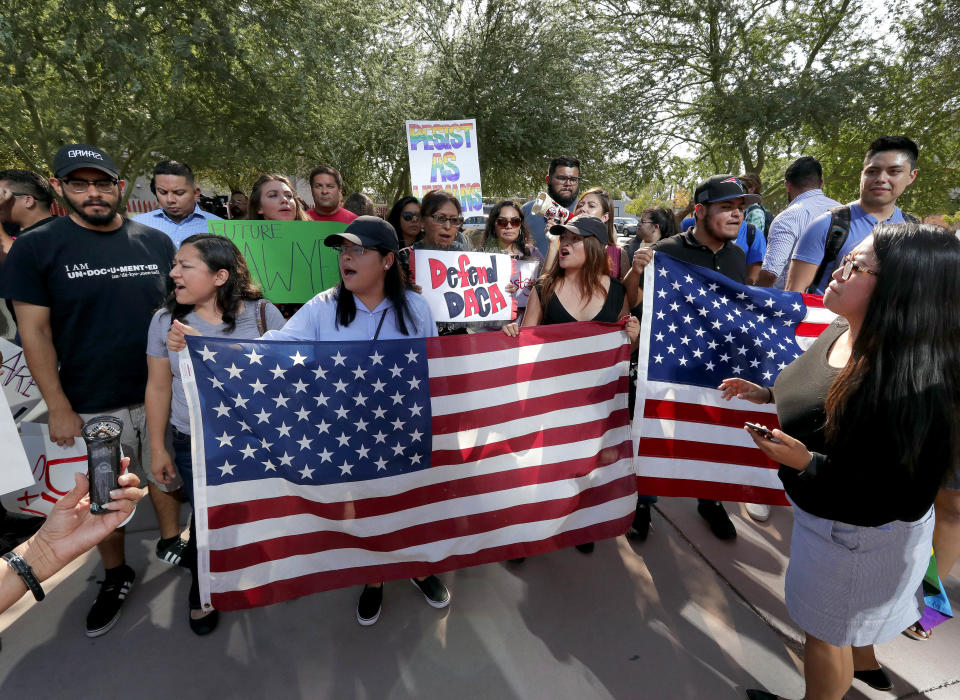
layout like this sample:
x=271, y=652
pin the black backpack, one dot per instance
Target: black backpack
x=836, y=237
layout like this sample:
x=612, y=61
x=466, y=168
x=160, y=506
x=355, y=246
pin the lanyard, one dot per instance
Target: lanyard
x=380, y=325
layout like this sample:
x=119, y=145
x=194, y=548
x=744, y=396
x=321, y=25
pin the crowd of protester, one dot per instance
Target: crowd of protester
x=869, y=447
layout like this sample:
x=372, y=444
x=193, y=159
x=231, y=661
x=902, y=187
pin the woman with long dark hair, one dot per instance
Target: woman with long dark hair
x=655, y=224
x=371, y=302
x=213, y=293
x=578, y=287
x=869, y=417
x=507, y=232
x=404, y=216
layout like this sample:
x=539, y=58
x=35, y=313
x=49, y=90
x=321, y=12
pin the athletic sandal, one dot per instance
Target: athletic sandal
x=916, y=631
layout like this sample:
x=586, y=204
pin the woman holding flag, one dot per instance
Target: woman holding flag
x=578, y=287
x=214, y=294
x=371, y=302
x=869, y=417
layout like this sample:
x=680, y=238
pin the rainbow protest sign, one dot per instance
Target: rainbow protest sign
x=444, y=155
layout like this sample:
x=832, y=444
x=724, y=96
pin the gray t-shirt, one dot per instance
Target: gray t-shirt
x=246, y=328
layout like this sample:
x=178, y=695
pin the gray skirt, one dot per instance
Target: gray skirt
x=856, y=585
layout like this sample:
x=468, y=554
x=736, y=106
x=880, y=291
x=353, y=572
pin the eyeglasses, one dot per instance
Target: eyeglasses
x=504, y=222
x=409, y=216
x=442, y=220
x=848, y=266
x=564, y=180
x=354, y=251
x=78, y=186
x=648, y=223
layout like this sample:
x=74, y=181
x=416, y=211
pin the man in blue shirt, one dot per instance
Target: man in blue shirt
x=803, y=182
x=888, y=169
x=563, y=185
x=179, y=215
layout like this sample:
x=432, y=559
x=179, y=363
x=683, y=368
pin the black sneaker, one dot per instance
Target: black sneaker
x=434, y=591
x=171, y=550
x=717, y=518
x=641, y=523
x=105, y=612
x=369, y=605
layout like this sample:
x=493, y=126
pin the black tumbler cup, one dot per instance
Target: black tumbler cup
x=102, y=435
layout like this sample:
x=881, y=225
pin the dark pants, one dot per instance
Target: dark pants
x=183, y=460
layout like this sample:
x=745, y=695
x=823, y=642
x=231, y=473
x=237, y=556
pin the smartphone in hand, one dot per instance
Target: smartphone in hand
x=759, y=429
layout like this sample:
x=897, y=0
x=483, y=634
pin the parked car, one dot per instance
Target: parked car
x=475, y=221
x=625, y=225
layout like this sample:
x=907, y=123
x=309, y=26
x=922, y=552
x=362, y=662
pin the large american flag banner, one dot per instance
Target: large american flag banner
x=699, y=328
x=319, y=465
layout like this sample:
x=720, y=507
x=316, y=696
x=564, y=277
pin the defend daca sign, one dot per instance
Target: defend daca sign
x=465, y=287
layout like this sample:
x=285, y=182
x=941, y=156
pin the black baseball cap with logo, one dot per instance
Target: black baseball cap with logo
x=720, y=188
x=368, y=231
x=583, y=225
x=74, y=156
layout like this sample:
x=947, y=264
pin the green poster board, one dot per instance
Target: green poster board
x=286, y=258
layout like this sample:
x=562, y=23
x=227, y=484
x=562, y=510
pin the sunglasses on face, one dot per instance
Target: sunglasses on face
x=848, y=266
x=409, y=216
x=504, y=222
x=441, y=220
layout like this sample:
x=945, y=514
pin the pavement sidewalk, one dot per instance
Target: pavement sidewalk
x=682, y=615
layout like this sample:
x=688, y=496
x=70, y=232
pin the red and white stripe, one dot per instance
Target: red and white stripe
x=531, y=451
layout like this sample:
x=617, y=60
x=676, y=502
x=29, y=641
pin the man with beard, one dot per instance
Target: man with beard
x=719, y=204
x=74, y=281
x=563, y=185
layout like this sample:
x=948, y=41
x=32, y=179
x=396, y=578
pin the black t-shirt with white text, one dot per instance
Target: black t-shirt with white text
x=101, y=289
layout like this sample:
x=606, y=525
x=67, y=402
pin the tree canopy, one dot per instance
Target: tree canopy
x=651, y=95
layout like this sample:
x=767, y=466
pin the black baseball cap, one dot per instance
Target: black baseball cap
x=720, y=188
x=74, y=156
x=368, y=231
x=583, y=225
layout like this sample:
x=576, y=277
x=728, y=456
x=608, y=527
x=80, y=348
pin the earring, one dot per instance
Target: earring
x=386, y=267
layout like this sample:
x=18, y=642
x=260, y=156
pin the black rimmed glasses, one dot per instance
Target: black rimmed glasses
x=77, y=185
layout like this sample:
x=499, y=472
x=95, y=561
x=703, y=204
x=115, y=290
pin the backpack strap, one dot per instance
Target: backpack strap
x=261, y=316
x=751, y=236
x=910, y=219
x=836, y=237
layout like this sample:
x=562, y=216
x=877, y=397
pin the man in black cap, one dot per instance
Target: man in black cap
x=84, y=288
x=719, y=203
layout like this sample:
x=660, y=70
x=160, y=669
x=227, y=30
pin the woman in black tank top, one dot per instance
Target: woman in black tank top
x=578, y=287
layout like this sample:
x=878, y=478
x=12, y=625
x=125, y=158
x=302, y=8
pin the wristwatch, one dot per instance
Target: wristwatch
x=17, y=563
